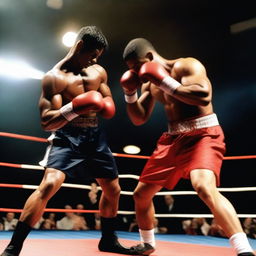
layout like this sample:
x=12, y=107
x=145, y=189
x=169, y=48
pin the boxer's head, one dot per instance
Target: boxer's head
x=137, y=52
x=92, y=38
x=90, y=44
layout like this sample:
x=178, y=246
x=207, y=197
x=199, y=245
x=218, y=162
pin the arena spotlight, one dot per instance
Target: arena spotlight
x=69, y=39
x=131, y=149
x=55, y=4
x=18, y=69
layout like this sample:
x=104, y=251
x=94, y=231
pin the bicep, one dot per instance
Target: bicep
x=193, y=74
x=46, y=105
x=49, y=100
x=105, y=90
x=196, y=81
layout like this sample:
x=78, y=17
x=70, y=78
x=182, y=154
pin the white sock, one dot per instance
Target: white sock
x=240, y=243
x=148, y=236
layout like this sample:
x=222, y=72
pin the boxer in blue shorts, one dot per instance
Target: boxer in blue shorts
x=74, y=92
x=80, y=150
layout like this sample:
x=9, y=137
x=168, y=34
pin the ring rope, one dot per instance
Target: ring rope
x=36, y=167
x=158, y=215
x=38, y=139
x=131, y=176
x=51, y=210
x=22, y=137
x=161, y=193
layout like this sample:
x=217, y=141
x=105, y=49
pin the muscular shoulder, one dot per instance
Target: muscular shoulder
x=53, y=82
x=102, y=72
x=48, y=83
x=188, y=66
x=104, y=88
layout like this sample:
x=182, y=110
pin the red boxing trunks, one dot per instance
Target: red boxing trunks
x=189, y=145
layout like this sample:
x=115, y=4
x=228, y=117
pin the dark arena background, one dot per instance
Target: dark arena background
x=221, y=34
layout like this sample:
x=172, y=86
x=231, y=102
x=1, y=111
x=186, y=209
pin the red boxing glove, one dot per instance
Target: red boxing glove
x=130, y=82
x=156, y=73
x=82, y=104
x=109, y=109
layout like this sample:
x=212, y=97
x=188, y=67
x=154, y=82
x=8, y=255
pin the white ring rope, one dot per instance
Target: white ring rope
x=162, y=193
x=136, y=177
x=181, y=215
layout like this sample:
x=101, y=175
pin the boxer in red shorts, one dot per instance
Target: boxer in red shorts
x=192, y=148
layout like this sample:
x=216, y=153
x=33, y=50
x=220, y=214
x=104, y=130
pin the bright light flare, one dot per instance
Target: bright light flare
x=131, y=149
x=18, y=69
x=55, y=4
x=69, y=39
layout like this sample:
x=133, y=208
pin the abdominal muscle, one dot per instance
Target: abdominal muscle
x=176, y=110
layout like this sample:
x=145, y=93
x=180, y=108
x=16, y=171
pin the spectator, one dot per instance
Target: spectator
x=252, y=232
x=196, y=226
x=174, y=225
x=92, y=204
x=50, y=222
x=80, y=207
x=9, y=222
x=169, y=202
x=46, y=225
x=216, y=230
x=82, y=216
x=159, y=229
x=1, y=224
x=66, y=222
x=249, y=226
x=39, y=223
x=71, y=221
x=93, y=194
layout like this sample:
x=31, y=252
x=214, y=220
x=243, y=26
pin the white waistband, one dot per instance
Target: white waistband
x=193, y=124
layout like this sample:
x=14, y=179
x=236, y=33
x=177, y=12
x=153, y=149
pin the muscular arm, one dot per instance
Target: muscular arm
x=140, y=111
x=195, y=87
x=49, y=104
x=108, y=110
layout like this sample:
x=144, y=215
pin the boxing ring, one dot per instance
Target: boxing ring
x=69, y=243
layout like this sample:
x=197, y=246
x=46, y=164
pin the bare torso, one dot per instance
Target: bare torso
x=61, y=84
x=175, y=108
x=70, y=85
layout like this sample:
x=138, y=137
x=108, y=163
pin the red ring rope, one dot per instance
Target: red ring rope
x=51, y=210
x=32, y=138
x=22, y=137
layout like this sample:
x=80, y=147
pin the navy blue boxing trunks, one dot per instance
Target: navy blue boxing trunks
x=80, y=150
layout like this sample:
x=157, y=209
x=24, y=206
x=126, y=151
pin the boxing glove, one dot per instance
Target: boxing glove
x=130, y=82
x=83, y=104
x=108, y=110
x=156, y=73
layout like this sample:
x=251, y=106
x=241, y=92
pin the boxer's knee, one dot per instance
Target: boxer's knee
x=50, y=184
x=206, y=192
x=111, y=188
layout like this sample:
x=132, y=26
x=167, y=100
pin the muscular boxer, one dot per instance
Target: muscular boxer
x=193, y=146
x=74, y=92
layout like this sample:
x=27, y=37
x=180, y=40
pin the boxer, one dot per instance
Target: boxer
x=192, y=148
x=74, y=92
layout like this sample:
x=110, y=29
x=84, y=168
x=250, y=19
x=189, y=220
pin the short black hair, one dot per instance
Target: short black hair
x=137, y=48
x=93, y=38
